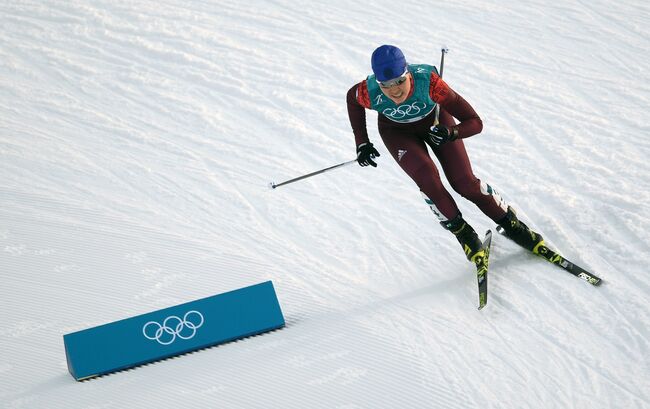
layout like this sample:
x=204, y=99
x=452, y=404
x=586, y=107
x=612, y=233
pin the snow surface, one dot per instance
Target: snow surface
x=137, y=140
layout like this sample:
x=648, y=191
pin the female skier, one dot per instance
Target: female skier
x=406, y=95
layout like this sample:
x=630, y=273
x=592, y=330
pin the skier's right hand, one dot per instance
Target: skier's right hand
x=366, y=153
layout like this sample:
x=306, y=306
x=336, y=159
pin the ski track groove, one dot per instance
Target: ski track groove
x=555, y=345
x=570, y=279
x=570, y=355
x=522, y=375
x=574, y=238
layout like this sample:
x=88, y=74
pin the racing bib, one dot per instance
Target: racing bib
x=416, y=107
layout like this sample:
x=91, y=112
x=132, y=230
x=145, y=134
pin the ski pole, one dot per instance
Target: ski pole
x=273, y=185
x=444, y=50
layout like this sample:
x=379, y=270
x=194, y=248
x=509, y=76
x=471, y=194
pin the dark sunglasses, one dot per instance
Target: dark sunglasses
x=395, y=81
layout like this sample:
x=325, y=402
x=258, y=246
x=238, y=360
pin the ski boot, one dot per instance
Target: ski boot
x=467, y=237
x=476, y=251
x=517, y=231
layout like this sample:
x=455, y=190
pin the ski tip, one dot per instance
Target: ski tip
x=272, y=185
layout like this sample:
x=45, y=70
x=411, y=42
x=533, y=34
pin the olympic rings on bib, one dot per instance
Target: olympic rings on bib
x=403, y=110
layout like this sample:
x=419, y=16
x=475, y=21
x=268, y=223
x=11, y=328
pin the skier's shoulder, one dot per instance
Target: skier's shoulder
x=359, y=93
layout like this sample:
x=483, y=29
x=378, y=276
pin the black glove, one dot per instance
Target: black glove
x=366, y=153
x=439, y=134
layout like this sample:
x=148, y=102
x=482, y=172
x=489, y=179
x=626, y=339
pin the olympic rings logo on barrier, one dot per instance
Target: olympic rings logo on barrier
x=404, y=110
x=173, y=327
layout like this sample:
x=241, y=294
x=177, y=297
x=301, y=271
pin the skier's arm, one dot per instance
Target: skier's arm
x=358, y=101
x=470, y=123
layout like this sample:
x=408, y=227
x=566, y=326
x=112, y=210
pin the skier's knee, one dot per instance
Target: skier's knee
x=428, y=180
x=467, y=187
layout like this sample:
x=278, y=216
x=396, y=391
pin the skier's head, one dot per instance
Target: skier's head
x=388, y=63
x=391, y=72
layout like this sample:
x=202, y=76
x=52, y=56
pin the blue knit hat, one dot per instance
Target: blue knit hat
x=388, y=62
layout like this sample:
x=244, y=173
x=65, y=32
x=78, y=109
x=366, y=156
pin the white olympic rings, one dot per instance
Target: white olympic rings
x=173, y=327
x=404, y=110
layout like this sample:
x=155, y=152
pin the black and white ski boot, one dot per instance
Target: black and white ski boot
x=466, y=236
x=517, y=231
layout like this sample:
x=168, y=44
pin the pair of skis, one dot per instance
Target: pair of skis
x=482, y=264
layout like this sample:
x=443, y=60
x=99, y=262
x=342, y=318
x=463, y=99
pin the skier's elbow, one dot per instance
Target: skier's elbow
x=475, y=126
x=479, y=125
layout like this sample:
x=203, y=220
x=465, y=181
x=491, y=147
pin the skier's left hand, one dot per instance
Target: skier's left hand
x=438, y=135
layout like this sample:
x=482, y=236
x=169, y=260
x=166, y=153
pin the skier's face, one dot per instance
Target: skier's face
x=398, y=92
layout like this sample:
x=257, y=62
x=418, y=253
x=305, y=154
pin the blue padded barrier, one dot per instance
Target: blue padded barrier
x=172, y=331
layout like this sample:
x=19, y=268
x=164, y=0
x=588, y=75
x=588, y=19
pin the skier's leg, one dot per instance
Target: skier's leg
x=412, y=156
x=458, y=169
